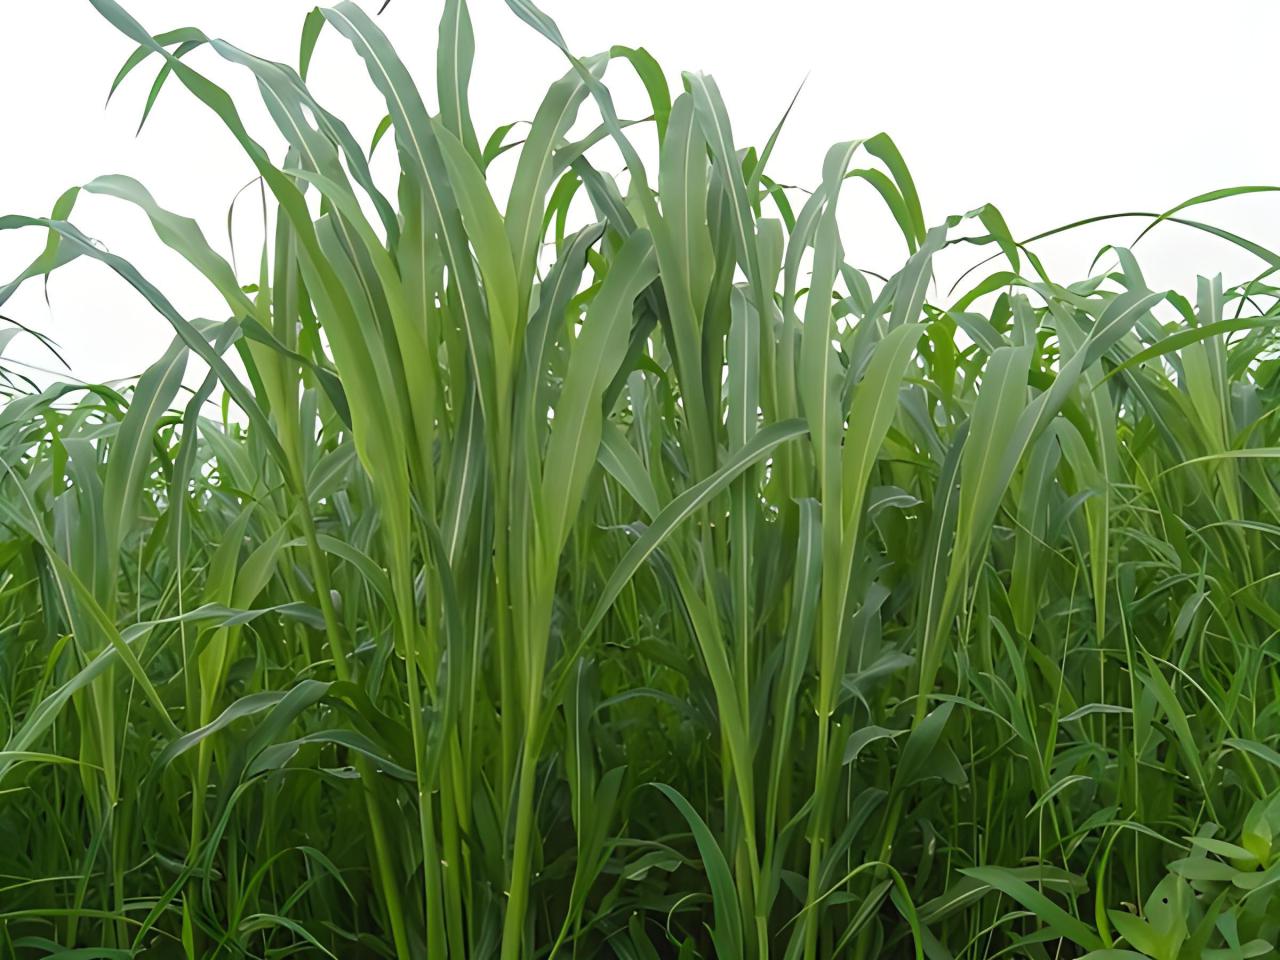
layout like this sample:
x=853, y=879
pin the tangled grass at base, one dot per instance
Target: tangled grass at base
x=609, y=569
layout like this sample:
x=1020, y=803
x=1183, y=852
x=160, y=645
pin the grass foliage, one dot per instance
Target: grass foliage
x=604, y=567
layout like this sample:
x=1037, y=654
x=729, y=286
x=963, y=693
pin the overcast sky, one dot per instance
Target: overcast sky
x=1052, y=111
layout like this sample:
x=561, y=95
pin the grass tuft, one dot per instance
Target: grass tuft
x=605, y=567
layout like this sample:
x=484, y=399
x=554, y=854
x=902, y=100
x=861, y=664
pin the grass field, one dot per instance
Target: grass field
x=605, y=567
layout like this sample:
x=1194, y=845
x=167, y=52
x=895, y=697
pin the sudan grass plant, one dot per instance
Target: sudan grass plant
x=604, y=566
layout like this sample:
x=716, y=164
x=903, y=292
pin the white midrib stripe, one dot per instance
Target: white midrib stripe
x=466, y=474
x=457, y=44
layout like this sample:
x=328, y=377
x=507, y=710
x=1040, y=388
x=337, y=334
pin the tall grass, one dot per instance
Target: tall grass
x=606, y=567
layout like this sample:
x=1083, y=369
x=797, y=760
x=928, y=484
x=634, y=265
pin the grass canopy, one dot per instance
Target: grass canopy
x=558, y=563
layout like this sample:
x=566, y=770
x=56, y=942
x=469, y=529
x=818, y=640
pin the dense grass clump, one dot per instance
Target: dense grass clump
x=607, y=568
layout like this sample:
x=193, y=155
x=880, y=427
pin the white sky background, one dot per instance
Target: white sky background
x=1052, y=111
